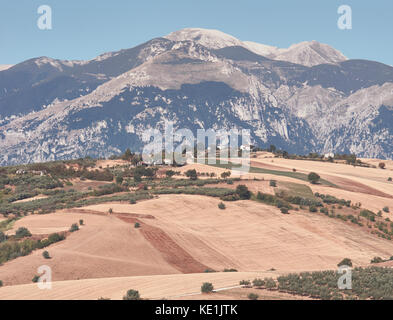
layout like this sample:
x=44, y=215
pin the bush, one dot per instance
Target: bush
x=246, y=283
x=382, y=165
x=284, y=210
x=35, y=279
x=345, y=262
x=259, y=283
x=313, y=209
x=1, y=283
x=22, y=232
x=377, y=260
x=170, y=173
x=3, y=236
x=46, y=255
x=221, y=206
x=270, y=283
x=137, y=225
x=81, y=222
x=386, y=209
x=207, y=287
x=132, y=201
x=243, y=192
x=390, y=179
x=313, y=177
x=192, y=174
x=273, y=183
x=253, y=296
x=225, y=174
x=230, y=270
x=74, y=227
x=132, y=295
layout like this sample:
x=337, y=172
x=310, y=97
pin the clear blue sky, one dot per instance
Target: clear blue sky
x=83, y=29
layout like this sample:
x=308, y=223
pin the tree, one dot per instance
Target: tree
x=382, y=165
x=46, y=255
x=81, y=222
x=137, y=225
x=386, y=209
x=270, y=283
x=74, y=227
x=207, y=287
x=221, y=206
x=272, y=148
x=119, y=179
x=253, y=296
x=273, y=183
x=170, y=173
x=192, y=174
x=127, y=155
x=243, y=192
x=245, y=283
x=3, y=237
x=345, y=262
x=313, y=177
x=259, y=283
x=22, y=232
x=132, y=295
x=226, y=174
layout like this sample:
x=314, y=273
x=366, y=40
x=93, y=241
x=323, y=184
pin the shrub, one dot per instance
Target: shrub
x=253, y=296
x=110, y=210
x=284, y=210
x=22, y=232
x=259, y=283
x=386, y=209
x=230, y=270
x=1, y=283
x=132, y=295
x=170, y=173
x=225, y=174
x=369, y=215
x=390, y=179
x=382, y=165
x=192, y=174
x=209, y=271
x=313, y=209
x=74, y=227
x=345, y=262
x=243, y=192
x=245, y=283
x=46, y=255
x=270, y=283
x=81, y=222
x=207, y=287
x=313, y=177
x=132, y=201
x=377, y=260
x=137, y=225
x=35, y=279
x=3, y=237
x=221, y=206
x=273, y=183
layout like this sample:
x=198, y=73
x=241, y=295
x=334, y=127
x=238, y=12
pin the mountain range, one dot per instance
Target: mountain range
x=306, y=98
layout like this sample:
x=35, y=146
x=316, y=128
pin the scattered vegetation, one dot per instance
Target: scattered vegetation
x=207, y=287
x=132, y=295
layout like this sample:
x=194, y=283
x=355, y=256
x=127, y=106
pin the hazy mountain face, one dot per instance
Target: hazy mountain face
x=303, y=99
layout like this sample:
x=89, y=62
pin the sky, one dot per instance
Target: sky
x=84, y=29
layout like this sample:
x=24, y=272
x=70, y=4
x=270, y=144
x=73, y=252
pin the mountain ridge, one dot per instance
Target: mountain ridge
x=104, y=105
